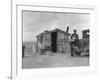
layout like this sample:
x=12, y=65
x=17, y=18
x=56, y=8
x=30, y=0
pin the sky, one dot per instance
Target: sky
x=37, y=22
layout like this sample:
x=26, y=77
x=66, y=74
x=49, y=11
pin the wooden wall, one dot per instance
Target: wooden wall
x=63, y=45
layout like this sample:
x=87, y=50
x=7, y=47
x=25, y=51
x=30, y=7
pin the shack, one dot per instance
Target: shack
x=57, y=41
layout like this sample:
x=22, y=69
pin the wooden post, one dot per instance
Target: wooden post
x=23, y=51
x=37, y=45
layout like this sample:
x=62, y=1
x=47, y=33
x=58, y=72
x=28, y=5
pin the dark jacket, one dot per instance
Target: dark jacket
x=74, y=36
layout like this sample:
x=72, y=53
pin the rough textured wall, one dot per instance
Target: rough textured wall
x=60, y=36
x=46, y=42
x=67, y=48
x=63, y=43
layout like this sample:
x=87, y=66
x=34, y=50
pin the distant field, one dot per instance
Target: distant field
x=30, y=48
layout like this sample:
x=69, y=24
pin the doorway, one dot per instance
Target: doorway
x=54, y=41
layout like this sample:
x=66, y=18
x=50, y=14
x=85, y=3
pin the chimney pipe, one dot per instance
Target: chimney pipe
x=67, y=29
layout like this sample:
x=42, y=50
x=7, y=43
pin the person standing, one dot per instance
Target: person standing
x=74, y=41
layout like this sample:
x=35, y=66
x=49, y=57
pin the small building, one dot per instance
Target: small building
x=55, y=40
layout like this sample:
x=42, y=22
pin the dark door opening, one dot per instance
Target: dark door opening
x=54, y=41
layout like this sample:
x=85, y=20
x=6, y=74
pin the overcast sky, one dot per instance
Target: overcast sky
x=36, y=22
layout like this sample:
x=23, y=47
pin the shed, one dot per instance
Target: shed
x=57, y=41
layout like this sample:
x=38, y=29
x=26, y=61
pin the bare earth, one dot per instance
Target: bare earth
x=55, y=60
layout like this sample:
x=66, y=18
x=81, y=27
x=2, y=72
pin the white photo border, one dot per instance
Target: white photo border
x=18, y=72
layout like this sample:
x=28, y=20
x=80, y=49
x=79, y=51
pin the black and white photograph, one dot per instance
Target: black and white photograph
x=55, y=39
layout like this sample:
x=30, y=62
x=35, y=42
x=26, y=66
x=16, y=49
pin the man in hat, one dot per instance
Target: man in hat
x=74, y=41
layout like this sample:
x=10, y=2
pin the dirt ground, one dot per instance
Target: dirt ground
x=55, y=60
